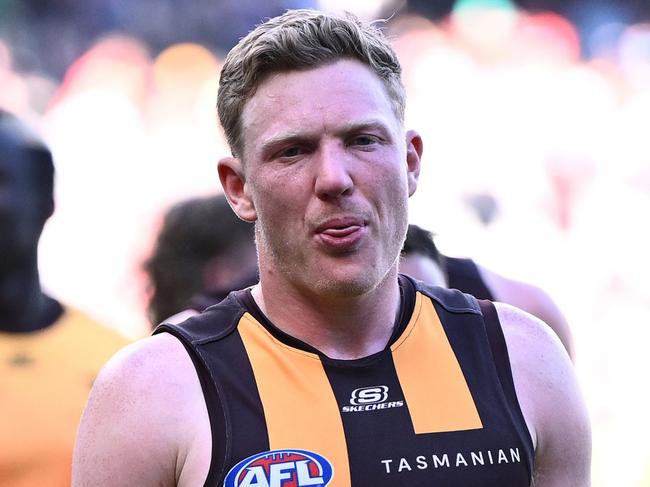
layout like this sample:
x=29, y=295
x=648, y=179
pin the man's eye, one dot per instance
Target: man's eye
x=291, y=152
x=363, y=140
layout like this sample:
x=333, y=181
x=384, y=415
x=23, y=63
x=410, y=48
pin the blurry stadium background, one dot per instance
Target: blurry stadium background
x=536, y=122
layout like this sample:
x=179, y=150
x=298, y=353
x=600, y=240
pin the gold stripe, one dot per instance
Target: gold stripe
x=434, y=387
x=299, y=405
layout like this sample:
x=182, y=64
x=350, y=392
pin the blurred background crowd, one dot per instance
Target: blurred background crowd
x=535, y=117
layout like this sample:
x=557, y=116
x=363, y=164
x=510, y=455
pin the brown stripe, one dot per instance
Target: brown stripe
x=434, y=387
x=299, y=405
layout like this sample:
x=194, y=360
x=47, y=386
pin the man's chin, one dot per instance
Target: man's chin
x=344, y=285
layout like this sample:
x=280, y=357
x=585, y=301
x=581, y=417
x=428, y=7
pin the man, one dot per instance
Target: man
x=422, y=260
x=333, y=370
x=49, y=353
x=202, y=252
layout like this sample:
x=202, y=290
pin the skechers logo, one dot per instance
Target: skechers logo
x=281, y=468
x=370, y=399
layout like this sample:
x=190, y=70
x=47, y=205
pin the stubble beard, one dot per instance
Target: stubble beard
x=324, y=282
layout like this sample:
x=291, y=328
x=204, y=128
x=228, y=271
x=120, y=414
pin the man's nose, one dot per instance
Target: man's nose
x=333, y=178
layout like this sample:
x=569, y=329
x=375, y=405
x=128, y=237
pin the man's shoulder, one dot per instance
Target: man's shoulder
x=544, y=378
x=523, y=326
x=152, y=361
x=533, y=347
x=532, y=299
x=151, y=375
x=539, y=362
x=145, y=408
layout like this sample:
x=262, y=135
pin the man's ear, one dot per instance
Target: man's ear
x=233, y=182
x=413, y=157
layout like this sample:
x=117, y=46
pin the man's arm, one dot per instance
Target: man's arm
x=532, y=299
x=550, y=399
x=143, y=421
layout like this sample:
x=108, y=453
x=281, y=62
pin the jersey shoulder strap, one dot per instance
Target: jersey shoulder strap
x=463, y=274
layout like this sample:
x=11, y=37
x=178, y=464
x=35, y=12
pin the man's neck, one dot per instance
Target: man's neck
x=23, y=305
x=341, y=327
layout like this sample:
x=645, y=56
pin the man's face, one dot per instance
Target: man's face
x=328, y=170
x=21, y=207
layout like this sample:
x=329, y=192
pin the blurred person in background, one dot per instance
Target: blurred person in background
x=422, y=260
x=333, y=370
x=50, y=353
x=202, y=252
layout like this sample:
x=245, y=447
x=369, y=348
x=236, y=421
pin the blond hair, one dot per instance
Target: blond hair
x=301, y=39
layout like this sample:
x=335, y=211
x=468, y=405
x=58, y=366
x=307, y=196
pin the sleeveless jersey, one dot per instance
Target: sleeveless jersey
x=463, y=274
x=45, y=378
x=436, y=407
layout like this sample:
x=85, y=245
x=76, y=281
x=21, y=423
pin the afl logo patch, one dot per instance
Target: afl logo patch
x=281, y=468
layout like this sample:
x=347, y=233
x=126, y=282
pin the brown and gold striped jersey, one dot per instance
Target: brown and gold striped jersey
x=436, y=407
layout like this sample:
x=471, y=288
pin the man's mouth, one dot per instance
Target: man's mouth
x=341, y=234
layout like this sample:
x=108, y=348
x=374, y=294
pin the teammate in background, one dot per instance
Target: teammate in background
x=203, y=251
x=49, y=353
x=422, y=260
x=334, y=370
